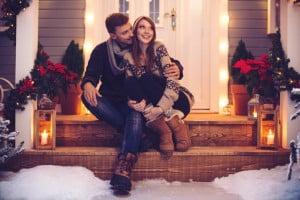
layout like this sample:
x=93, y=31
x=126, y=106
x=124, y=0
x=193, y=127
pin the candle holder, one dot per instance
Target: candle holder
x=268, y=129
x=44, y=123
x=253, y=107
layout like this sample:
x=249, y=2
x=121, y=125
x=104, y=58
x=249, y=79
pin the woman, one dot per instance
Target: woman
x=164, y=102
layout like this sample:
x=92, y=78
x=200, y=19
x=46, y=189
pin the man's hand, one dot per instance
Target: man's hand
x=173, y=71
x=152, y=113
x=138, y=106
x=91, y=93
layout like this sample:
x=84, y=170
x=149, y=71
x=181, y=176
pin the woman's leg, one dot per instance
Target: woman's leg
x=154, y=87
x=177, y=125
x=182, y=104
x=134, y=89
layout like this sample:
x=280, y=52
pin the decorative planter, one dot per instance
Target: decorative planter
x=240, y=99
x=71, y=102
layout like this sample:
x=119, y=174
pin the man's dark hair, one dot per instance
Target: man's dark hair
x=114, y=20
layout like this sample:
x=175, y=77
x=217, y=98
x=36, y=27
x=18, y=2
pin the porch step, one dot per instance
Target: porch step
x=198, y=164
x=205, y=130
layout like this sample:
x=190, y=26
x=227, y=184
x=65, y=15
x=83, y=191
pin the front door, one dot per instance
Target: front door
x=184, y=29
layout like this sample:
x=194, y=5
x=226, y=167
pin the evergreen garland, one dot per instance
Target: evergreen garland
x=10, y=9
x=284, y=77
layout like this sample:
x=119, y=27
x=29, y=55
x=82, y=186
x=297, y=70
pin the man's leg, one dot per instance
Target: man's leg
x=107, y=111
x=128, y=156
x=133, y=131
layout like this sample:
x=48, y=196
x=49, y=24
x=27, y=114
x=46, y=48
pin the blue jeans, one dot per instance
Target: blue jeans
x=121, y=117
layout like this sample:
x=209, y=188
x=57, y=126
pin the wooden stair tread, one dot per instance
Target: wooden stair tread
x=205, y=130
x=198, y=164
x=206, y=150
x=193, y=118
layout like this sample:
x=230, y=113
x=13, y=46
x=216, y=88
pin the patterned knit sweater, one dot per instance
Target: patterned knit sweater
x=162, y=62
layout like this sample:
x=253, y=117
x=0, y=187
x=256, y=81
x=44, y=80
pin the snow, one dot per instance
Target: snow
x=49, y=182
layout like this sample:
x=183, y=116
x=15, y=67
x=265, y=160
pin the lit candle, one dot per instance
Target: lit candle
x=44, y=138
x=255, y=114
x=270, y=138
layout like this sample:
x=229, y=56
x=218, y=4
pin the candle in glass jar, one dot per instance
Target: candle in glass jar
x=255, y=114
x=270, y=138
x=44, y=138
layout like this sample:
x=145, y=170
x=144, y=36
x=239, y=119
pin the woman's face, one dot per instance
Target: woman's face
x=144, y=32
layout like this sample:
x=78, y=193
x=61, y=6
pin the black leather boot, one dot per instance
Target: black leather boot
x=120, y=181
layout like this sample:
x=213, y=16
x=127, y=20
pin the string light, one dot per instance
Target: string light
x=223, y=47
x=89, y=18
x=223, y=75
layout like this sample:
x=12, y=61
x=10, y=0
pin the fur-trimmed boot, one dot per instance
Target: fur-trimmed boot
x=181, y=133
x=120, y=181
x=166, y=144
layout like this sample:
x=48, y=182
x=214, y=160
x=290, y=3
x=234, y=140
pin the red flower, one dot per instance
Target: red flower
x=261, y=66
x=42, y=70
x=243, y=65
x=26, y=86
x=58, y=68
x=44, y=54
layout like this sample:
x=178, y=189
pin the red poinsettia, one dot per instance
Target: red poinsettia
x=261, y=66
x=51, y=77
x=26, y=86
x=258, y=75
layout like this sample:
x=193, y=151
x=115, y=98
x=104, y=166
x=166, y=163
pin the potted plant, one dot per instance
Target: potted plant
x=238, y=89
x=259, y=77
x=73, y=59
x=50, y=78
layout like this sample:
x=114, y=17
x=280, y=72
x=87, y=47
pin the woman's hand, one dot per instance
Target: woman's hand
x=138, y=106
x=153, y=113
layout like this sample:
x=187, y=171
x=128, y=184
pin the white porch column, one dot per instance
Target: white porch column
x=26, y=48
x=290, y=31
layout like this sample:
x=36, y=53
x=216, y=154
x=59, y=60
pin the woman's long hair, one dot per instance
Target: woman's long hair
x=137, y=51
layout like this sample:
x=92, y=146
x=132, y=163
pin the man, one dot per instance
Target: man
x=110, y=103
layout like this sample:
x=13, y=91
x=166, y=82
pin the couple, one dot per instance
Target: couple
x=138, y=83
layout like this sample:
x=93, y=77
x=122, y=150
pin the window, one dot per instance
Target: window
x=154, y=11
x=124, y=7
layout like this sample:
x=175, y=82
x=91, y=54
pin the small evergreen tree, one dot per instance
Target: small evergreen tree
x=73, y=58
x=240, y=53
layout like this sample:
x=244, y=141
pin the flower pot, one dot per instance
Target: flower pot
x=240, y=99
x=71, y=102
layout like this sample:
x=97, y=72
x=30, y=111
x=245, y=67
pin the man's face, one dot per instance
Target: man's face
x=123, y=34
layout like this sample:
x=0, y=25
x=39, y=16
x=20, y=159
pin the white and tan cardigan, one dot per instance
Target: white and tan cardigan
x=162, y=62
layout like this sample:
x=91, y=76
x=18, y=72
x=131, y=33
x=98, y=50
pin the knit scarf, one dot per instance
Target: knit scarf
x=113, y=50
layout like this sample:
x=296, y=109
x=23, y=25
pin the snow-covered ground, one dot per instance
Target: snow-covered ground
x=77, y=183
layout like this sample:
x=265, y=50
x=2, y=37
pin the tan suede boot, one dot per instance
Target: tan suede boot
x=166, y=144
x=181, y=133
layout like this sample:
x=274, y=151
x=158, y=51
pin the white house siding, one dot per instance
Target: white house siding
x=248, y=21
x=7, y=58
x=61, y=21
